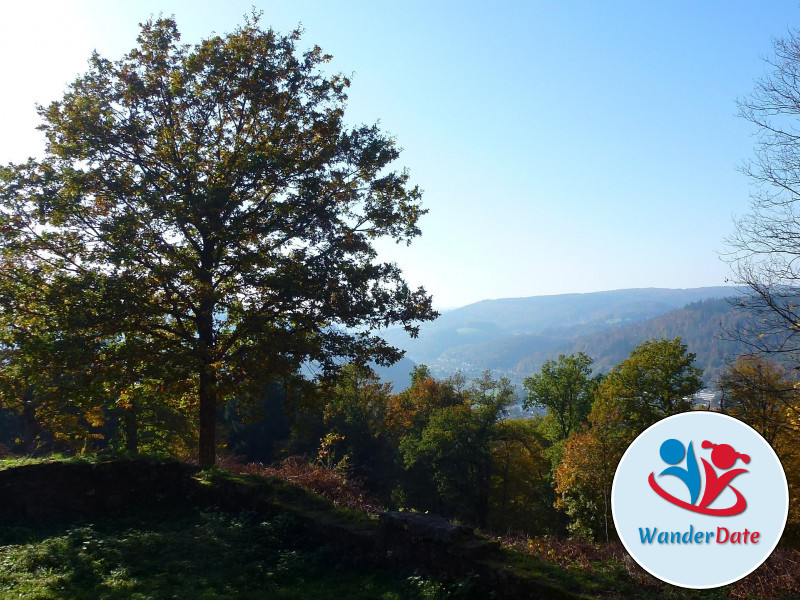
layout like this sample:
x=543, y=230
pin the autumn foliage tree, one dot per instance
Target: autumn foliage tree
x=453, y=448
x=215, y=204
x=657, y=380
x=759, y=392
x=585, y=475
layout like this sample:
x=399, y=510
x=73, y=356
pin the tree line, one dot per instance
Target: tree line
x=442, y=445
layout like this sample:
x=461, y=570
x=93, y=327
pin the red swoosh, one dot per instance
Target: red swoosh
x=737, y=508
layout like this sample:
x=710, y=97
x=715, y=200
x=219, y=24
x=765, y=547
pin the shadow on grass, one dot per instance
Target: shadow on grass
x=184, y=553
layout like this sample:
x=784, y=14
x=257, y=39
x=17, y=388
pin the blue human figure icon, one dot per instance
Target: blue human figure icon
x=672, y=452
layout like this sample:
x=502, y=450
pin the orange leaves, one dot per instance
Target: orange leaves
x=94, y=416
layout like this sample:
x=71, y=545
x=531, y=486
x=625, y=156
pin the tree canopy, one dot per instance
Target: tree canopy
x=766, y=244
x=564, y=387
x=208, y=203
x=761, y=393
x=657, y=380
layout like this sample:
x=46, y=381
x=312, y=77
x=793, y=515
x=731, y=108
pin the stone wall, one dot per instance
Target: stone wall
x=63, y=490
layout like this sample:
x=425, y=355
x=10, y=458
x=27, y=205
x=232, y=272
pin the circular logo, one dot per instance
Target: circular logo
x=699, y=500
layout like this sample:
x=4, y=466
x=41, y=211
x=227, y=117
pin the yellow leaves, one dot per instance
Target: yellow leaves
x=327, y=449
x=103, y=205
x=94, y=417
x=124, y=400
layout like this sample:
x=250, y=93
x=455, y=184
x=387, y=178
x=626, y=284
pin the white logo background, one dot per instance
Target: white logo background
x=635, y=505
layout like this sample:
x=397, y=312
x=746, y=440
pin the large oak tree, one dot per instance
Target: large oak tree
x=218, y=208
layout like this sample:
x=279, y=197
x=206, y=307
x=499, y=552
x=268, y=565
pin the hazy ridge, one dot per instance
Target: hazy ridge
x=514, y=336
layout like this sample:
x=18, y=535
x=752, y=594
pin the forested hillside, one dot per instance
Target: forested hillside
x=516, y=336
x=705, y=327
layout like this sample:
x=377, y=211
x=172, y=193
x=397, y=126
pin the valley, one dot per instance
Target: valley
x=513, y=337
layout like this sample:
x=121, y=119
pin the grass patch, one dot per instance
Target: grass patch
x=11, y=462
x=176, y=553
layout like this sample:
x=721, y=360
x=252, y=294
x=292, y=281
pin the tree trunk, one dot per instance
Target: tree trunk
x=131, y=429
x=30, y=426
x=207, y=384
x=484, y=489
x=208, y=417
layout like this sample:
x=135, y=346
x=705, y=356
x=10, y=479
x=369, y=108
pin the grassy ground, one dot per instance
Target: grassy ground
x=180, y=553
x=177, y=551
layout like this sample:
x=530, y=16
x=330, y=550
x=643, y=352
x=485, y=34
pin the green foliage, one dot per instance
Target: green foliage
x=652, y=383
x=186, y=554
x=207, y=205
x=563, y=387
x=356, y=407
x=454, y=447
x=420, y=373
x=430, y=589
x=657, y=380
x=522, y=496
x=259, y=427
x=47, y=354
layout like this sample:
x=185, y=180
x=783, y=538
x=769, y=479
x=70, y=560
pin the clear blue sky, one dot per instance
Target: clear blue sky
x=562, y=146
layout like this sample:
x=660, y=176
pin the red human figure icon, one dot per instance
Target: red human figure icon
x=724, y=457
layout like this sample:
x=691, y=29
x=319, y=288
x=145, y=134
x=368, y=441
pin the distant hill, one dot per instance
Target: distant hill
x=515, y=336
x=701, y=325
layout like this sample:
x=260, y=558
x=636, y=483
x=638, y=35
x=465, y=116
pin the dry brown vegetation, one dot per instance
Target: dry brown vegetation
x=328, y=482
x=778, y=577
